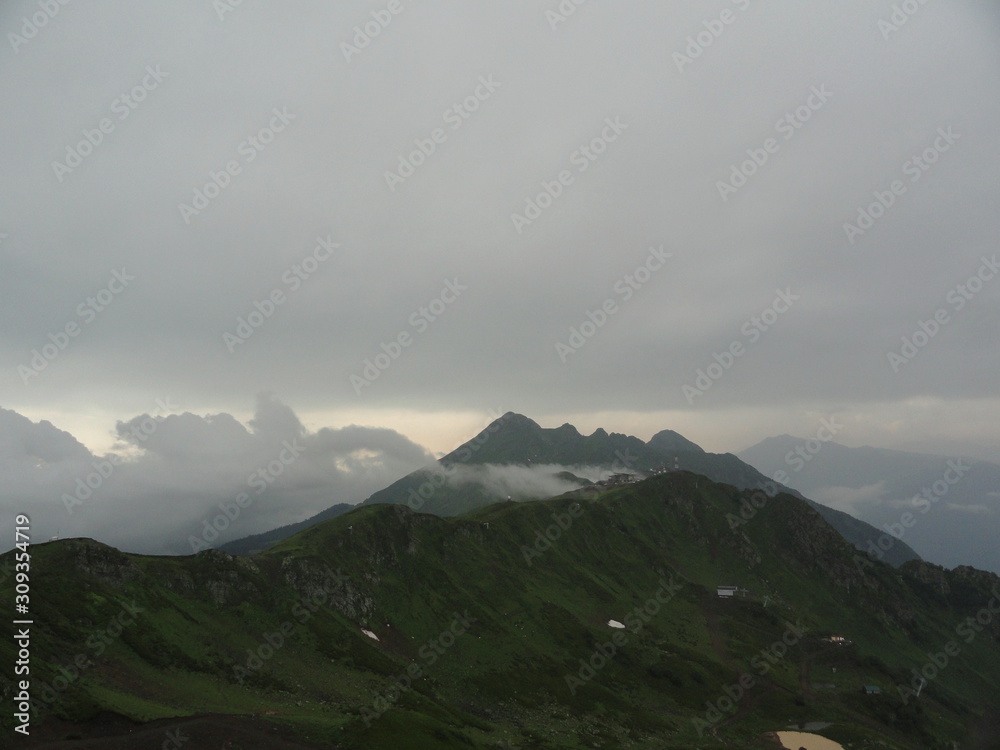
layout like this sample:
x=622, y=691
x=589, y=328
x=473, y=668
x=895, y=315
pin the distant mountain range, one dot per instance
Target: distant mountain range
x=592, y=619
x=516, y=458
x=946, y=507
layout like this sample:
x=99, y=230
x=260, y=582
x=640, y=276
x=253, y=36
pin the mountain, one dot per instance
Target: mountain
x=586, y=620
x=255, y=543
x=517, y=458
x=514, y=438
x=946, y=507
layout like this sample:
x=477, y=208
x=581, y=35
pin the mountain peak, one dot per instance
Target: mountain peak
x=512, y=438
x=516, y=439
x=668, y=441
x=513, y=420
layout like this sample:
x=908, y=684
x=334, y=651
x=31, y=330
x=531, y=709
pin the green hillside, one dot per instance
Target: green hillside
x=456, y=483
x=493, y=631
x=514, y=439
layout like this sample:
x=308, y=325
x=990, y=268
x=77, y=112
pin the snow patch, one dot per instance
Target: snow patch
x=615, y=624
x=370, y=634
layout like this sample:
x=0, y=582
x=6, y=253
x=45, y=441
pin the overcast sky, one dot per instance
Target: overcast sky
x=450, y=198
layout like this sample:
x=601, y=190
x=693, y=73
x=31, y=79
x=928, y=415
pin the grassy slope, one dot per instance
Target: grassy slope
x=515, y=439
x=405, y=574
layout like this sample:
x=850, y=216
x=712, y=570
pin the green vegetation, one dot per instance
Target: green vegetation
x=493, y=629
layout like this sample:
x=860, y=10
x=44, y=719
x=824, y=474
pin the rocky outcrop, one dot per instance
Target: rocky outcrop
x=104, y=563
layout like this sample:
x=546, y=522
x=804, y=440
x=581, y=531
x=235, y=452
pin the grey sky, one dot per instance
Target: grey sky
x=174, y=476
x=868, y=99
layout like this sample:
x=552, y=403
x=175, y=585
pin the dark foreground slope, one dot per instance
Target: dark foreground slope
x=493, y=631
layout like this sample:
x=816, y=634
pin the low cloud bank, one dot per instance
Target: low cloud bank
x=171, y=473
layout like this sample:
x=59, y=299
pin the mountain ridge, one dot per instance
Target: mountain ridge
x=948, y=507
x=514, y=439
x=340, y=630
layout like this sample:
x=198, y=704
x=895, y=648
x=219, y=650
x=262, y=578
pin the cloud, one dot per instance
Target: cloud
x=21, y=439
x=977, y=510
x=521, y=482
x=850, y=499
x=171, y=472
x=323, y=175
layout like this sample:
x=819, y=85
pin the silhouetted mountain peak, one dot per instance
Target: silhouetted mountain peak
x=513, y=421
x=516, y=440
x=568, y=429
x=670, y=441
